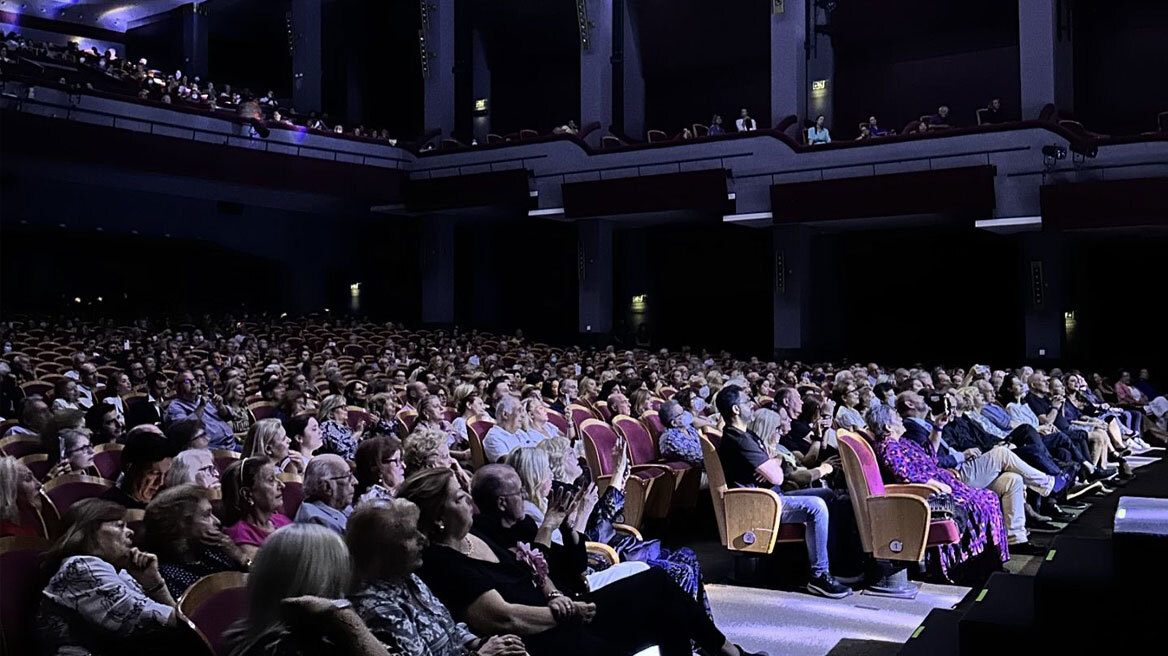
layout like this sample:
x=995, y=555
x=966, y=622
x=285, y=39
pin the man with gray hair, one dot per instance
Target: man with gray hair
x=328, y=493
x=507, y=435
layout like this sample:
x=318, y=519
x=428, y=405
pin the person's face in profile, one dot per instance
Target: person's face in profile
x=995, y=104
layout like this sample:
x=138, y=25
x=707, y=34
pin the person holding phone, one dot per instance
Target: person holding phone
x=211, y=412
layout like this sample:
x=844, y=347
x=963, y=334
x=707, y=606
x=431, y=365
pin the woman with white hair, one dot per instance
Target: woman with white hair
x=193, y=466
x=20, y=499
x=507, y=435
x=75, y=455
x=296, y=602
x=535, y=420
x=334, y=427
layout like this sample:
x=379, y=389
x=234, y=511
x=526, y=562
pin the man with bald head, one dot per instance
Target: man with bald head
x=328, y=493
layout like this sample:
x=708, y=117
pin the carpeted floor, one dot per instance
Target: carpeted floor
x=800, y=624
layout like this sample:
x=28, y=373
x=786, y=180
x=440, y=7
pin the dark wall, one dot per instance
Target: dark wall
x=392, y=95
x=533, y=49
x=900, y=60
x=701, y=59
x=160, y=42
x=1120, y=50
x=248, y=45
x=707, y=286
x=517, y=274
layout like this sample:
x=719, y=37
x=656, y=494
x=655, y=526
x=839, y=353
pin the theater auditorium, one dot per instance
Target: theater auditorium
x=583, y=327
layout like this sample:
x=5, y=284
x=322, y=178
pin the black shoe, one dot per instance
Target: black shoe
x=827, y=586
x=1047, y=527
x=1027, y=549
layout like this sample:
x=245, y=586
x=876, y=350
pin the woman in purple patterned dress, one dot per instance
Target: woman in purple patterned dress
x=978, y=511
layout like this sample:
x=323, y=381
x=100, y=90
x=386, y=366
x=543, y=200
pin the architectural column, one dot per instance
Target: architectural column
x=437, y=270
x=596, y=68
x=633, y=77
x=594, y=273
x=788, y=63
x=438, y=67
x=792, y=271
x=820, y=84
x=306, y=55
x=481, y=72
x=1041, y=273
x=194, y=41
x=1045, y=56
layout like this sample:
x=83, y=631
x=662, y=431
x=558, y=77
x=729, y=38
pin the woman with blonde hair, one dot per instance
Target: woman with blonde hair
x=333, y=416
x=535, y=420
x=268, y=438
x=296, y=599
x=640, y=401
x=426, y=449
x=75, y=455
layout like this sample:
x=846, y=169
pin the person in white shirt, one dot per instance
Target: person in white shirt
x=507, y=435
x=818, y=134
x=744, y=122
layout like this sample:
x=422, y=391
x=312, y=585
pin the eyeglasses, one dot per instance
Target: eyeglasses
x=86, y=447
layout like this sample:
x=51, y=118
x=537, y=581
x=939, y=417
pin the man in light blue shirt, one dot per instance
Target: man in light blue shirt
x=328, y=493
x=189, y=402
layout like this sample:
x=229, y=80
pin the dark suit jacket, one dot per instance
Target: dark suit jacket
x=142, y=412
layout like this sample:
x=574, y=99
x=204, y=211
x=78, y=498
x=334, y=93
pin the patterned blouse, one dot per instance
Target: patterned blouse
x=682, y=444
x=979, y=514
x=338, y=438
x=180, y=576
x=409, y=620
x=87, y=595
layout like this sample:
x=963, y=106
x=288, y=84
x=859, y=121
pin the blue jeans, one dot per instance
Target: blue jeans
x=809, y=507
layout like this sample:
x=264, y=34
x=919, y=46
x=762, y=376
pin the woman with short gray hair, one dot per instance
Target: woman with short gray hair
x=338, y=438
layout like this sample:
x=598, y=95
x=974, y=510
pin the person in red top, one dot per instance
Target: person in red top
x=20, y=500
x=252, y=501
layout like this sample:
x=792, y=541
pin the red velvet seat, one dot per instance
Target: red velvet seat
x=476, y=432
x=64, y=491
x=556, y=419
x=108, y=459
x=262, y=410
x=19, y=446
x=223, y=458
x=580, y=414
x=357, y=415
x=599, y=440
x=293, y=493
x=38, y=464
x=20, y=570
x=214, y=603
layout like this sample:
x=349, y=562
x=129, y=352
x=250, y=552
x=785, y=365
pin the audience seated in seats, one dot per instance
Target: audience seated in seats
x=745, y=123
x=187, y=434
x=1140, y=396
x=328, y=493
x=530, y=465
x=338, y=438
x=65, y=395
x=379, y=468
x=874, y=129
x=426, y=449
x=746, y=463
x=105, y=423
x=296, y=599
x=20, y=499
x=150, y=411
x=640, y=401
x=87, y=385
x=1130, y=423
x=145, y=461
x=304, y=436
x=770, y=426
x=992, y=114
x=61, y=420
x=34, y=416
x=978, y=513
x=192, y=467
x=235, y=403
x=181, y=529
x=818, y=134
x=848, y=413
x=189, y=402
x=941, y=119
x=998, y=469
x=105, y=596
x=1048, y=412
x=490, y=587
x=430, y=415
x=679, y=441
x=535, y=420
x=569, y=391
x=252, y=500
x=1109, y=431
x=716, y=125
x=74, y=455
x=508, y=434
x=268, y=438
x=396, y=606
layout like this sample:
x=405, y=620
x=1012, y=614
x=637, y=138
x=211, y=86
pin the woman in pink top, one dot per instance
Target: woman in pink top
x=252, y=499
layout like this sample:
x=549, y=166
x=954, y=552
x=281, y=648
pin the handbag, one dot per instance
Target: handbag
x=942, y=506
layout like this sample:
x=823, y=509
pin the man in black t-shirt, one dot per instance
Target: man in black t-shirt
x=746, y=463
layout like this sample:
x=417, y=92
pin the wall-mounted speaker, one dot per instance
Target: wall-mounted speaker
x=1037, y=284
x=781, y=271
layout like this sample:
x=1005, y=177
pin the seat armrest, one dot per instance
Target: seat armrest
x=900, y=527
x=916, y=489
x=625, y=528
x=603, y=550
x=752, y=519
